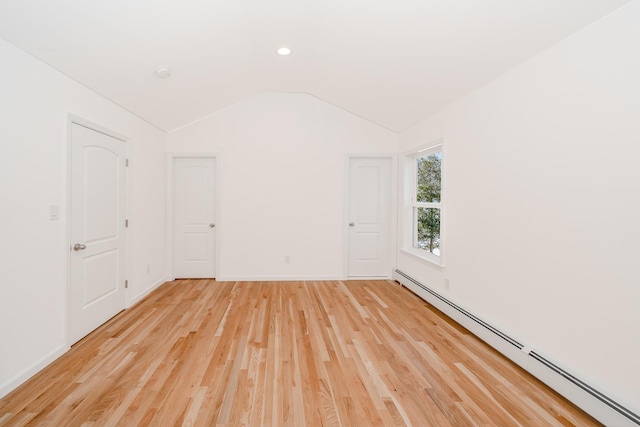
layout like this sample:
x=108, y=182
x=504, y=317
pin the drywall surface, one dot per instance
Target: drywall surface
x=542, y=200
x=35, y=104
x=282, y=162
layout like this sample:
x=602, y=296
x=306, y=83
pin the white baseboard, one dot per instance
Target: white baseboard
x=276, y=278
x=18, y=379
x=587, y=400
x=145, y=292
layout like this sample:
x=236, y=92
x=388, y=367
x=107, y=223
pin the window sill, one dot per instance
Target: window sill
x=427, y=260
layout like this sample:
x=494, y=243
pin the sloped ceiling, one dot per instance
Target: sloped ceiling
x=392, y=62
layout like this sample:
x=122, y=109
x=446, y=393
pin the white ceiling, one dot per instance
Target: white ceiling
x=393, y=62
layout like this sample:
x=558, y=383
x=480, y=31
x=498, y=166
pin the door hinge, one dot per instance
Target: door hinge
x=126, y=223
x=126, y=163
x=126, y=284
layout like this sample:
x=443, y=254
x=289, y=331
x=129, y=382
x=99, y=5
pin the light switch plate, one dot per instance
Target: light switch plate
x=53, y=212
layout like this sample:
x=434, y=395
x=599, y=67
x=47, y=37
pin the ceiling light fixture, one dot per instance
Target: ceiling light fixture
x=284, y=51
x=163, y=72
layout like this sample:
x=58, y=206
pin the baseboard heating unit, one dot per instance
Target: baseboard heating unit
x=597, y=404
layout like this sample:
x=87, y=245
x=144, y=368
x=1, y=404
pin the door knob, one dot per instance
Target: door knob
x=212, y=225
x=79, y=247
x=351, y=224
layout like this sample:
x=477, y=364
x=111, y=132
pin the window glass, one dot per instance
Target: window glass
x=427, y=222
x=424, y=209
x=428, y=176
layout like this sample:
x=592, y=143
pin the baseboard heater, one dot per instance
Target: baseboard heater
x=635, y=418
x=587, y=388
x=456, y=307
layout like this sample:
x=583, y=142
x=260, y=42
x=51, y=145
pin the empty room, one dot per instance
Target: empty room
x=320, y=213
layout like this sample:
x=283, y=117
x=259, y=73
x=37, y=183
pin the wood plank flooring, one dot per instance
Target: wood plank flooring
x=357, y=353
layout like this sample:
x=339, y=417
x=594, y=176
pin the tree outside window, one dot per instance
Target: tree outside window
x=427, y=201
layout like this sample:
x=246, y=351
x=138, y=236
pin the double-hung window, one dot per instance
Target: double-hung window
x=426, y=201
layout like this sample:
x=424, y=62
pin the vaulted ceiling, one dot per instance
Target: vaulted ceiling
x=392, y=62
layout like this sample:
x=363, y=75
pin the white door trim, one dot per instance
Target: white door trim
x=81, y=121
x=169, y=207
x=393, y=206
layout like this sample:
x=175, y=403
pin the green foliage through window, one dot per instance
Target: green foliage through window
x=428, y=229
x=429, y=175
x=428, y=192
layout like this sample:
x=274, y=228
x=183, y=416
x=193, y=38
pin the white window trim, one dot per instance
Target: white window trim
x=409, y=224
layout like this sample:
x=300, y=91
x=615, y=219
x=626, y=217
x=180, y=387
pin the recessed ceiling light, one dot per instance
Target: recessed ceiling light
x=284, y=51
x=163, y=72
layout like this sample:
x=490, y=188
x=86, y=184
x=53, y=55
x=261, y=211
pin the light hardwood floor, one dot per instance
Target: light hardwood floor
x=358, y=353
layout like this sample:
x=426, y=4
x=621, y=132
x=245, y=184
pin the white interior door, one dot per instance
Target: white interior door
x=97, y=231
x=194, y=217
x=369, y=208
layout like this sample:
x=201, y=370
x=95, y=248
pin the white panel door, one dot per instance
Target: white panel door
x=97, y=231
x=369, y=207
x=194, y=218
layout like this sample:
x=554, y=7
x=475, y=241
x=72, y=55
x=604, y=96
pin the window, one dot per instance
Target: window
x=425, y=206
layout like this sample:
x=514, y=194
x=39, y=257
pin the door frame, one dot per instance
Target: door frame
x=169, y=253
x=81, y=121
x=393, y=211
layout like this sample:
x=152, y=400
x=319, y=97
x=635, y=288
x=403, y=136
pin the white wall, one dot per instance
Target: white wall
x=282, y=160
x=34, y=103
x=542, y=199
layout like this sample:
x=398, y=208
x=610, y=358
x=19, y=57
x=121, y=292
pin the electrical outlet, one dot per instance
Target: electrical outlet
x=287, y=259
x=148, y=268
x=446, y=284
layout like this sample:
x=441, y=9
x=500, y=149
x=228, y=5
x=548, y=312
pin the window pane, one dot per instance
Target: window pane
x=428, y=177
x=427, y=229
